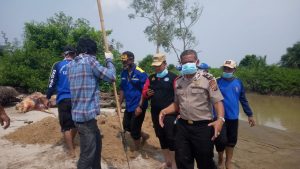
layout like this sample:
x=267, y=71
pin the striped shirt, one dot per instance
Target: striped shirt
x=84, y=74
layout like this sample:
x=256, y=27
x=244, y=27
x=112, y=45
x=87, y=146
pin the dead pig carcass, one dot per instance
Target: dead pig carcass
x=35, y=101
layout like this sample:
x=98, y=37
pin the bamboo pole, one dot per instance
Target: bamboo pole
x=114, y=83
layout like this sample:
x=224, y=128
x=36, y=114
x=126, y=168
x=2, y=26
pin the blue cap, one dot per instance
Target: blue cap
x=178, y=67
x=203, y=66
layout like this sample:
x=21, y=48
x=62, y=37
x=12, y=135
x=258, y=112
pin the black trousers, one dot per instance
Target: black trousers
x=228, y=136
x=165, y=135
x=65, y=115
x=193, y=142
x=133, y=123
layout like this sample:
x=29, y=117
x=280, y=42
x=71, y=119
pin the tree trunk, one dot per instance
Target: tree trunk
x=157, y=48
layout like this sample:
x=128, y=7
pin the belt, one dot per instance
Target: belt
x=85, y=122
x=191, y=122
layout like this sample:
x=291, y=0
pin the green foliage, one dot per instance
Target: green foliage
x=145, y=64
x=253, y=61
x=271, y=80
x=106, y=86
x=157, y=12
x=169, y=20
x=28, y=67
x=292, y=58
x=257, y=76
x=216, y=72
x=184, y=17
x=173, y=69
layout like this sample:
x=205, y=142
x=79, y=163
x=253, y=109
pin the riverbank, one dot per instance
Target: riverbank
x=39, y=145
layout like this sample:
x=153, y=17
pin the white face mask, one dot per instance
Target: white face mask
x=162, y=73
x=189, y=68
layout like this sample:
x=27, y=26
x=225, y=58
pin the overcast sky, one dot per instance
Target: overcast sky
x=227, y=29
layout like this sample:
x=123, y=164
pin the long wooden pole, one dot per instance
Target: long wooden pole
x=114, y=83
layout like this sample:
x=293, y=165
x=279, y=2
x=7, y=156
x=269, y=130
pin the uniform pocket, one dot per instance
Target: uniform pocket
x=179, y=92
x=198, y=91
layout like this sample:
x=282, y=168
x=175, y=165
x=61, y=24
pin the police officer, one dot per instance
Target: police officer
x=159, y=88
x=133, y=79
x=195, y=92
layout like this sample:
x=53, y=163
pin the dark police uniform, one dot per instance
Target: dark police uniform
x=195, y=98
x=162, y=98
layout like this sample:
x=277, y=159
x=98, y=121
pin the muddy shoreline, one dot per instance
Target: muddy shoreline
x=258, y=147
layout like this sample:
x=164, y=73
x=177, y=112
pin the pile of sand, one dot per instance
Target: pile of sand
x=47, y=132
x=41, y=141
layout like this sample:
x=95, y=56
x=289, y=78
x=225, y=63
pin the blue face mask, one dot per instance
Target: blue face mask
x=227, y=75
x=162, y=73
x=189, y=68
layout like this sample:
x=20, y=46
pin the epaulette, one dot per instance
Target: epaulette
x=208, y=76
x=178, y=77
x=212, y=81
x=175, y=81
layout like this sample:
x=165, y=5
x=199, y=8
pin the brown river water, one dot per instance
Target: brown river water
x=275, y=111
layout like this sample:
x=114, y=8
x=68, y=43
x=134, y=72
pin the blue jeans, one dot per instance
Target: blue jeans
x=90, y=145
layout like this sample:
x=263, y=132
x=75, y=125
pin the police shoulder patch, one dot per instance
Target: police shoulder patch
x=212, y=81
x=208, y=76
x=213, y=85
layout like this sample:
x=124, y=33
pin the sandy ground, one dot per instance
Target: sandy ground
x=39, y=145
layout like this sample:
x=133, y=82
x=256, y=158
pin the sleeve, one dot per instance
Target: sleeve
x=175, y=94
x=107, y=73
x=122, y=81
x=145, y=88
x=52, y=81
x=244, y=102
x=143, y=79
x=214, y=94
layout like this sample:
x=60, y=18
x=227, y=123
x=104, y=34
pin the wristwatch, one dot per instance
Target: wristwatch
x=222, y=118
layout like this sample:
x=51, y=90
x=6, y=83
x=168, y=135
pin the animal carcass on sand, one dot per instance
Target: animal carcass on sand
x=35, y=101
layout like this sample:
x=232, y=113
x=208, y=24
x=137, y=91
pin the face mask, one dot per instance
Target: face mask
x=227, y=75
x=189, y=68
x=128, y=66
x=162, y=73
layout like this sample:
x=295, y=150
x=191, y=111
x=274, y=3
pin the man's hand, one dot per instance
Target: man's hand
x=217, y=125
x=150, y=92
x=108, y=55
x=49, y=104
x=162, y=115
x=4, y=120
x=138, y=111
x=251, y=121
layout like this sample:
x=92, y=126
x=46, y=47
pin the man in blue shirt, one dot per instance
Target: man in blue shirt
x=84, y=74
x=58, y=82
x=133, y=79
x=233, y=92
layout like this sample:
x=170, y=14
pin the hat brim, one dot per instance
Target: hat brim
x=156, y=63
x=228, y=65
